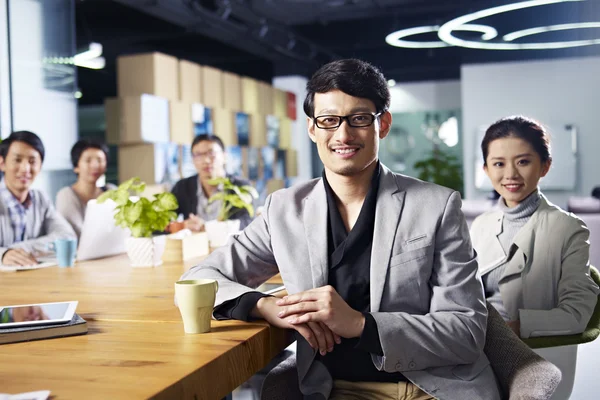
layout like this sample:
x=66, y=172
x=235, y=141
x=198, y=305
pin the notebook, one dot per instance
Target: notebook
x=77, y=326
x=14, y=268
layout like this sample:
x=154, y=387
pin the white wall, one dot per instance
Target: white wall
x=554, y=91
x=300, y=140
x=425, y=96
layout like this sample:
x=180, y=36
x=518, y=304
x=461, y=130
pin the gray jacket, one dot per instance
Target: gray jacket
x=552, y=258
x=426, y=298
x=44, y=225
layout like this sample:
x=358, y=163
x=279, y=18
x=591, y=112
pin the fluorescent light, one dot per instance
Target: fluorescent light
x=445, y=31
x=395, y=38
x=94, y=50
x=551, y=28
x=94, y=63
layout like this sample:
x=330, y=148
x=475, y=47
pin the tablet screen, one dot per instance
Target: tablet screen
x=36, y=314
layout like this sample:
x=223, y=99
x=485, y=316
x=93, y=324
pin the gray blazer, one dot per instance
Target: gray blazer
x=426, y=298
x=44, y=225
x=552, y=258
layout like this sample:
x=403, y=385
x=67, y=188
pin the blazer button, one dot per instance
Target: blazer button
x=398, y=366
x=412, y=365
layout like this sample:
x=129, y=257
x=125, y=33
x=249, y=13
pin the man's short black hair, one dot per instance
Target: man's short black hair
x=210, y=138
x=82, y=145
x=354, y=77
x=26, y=137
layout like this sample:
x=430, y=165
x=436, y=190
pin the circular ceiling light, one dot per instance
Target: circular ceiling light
x=446, y=30
x=551, y=28
x=396, y=38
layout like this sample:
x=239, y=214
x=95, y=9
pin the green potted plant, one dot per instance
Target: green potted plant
x=441, y=168
x=233, y=199
x=142, y=216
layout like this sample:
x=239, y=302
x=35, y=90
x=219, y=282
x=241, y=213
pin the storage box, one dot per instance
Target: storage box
x=190, y=82
x=180, y=247
x=265, y=94
x=279, y=103
x=258, y=130
x=275, y=184
x=224, y=125
x=285, y=133
x=232, y=92
x=150, y=73
x=137, y=119
x=156, y=163
x=250, y=97
x=212, y=87
x=291, y=163
x=181, y=124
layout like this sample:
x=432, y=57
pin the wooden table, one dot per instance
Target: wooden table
x=136, y=347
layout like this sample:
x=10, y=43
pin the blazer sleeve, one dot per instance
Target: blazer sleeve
x=577, y=292
x=69, y=207
x=453, y=331
x=243, y=264
x=54, y=227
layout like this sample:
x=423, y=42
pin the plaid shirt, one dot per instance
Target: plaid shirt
x=16, y=210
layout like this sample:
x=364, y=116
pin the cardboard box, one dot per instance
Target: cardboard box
x=291, y=163
x=149, y=73
x=285, y=133
x=232, y=92
x=190, y=82
x=258, y=130
x=181, y=124
x=250, y=97
x=137, y=119
x=279, y=103
x=275, y=184
x=265, y=94
x=153, y=163
x=212, y=87
x=224, y=126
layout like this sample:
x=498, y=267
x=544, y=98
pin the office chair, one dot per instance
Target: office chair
x=521, y=373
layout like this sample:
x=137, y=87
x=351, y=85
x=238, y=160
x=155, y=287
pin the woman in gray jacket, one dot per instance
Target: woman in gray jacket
x=533, y=256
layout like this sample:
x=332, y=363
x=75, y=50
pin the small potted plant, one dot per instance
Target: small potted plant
x=142, y=216
x=234, y=198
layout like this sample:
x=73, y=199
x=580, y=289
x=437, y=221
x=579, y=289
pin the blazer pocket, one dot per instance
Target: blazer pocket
x=468, y=372
x=409, y=255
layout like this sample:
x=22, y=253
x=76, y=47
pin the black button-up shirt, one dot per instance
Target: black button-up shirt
x=349, y=274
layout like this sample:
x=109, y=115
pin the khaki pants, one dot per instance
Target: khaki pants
x=344, y=390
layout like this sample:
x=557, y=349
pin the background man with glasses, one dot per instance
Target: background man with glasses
x=382, y=279
x=208, y=154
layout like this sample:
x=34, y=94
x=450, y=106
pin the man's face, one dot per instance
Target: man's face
x=209, y=159
x=21, y=165
x=347, y=150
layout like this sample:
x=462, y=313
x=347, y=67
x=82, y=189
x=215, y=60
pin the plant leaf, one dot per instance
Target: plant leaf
x=167, y=201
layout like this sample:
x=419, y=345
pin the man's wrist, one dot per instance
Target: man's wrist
x=360, y=324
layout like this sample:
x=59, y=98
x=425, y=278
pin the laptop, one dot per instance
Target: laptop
x=100, y=237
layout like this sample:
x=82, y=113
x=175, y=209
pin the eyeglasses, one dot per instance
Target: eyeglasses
x=354, y=120
x=210, y=154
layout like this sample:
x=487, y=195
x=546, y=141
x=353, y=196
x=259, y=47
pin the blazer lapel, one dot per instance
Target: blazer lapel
x=494, y=253
x=390, y=199
x=315, y=227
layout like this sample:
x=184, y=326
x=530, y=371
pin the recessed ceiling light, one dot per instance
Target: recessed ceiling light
x=391, y=83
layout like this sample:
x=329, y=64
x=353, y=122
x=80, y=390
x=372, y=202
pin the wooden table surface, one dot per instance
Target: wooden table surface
x=136, y=347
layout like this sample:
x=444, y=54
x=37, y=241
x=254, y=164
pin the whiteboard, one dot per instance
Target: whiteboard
x=563, y=148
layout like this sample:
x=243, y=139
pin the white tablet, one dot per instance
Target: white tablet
x=37, y=314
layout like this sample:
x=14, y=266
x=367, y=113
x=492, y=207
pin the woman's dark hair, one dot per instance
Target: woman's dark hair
x=519, y=127
x=26, y=137
x=84, y=144
x=210, y=138
x=354, y=77
x=596, y=192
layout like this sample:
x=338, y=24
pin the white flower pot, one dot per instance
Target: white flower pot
x=145, y=252
x=219, y=231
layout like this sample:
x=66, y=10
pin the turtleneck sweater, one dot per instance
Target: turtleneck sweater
x=514, y=218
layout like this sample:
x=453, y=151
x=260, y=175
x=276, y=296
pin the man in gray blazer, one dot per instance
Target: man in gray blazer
x=382, y=281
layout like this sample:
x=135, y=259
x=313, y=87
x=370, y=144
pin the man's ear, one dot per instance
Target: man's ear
x=2, y=164
x=311, y=129
x=385, y=124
